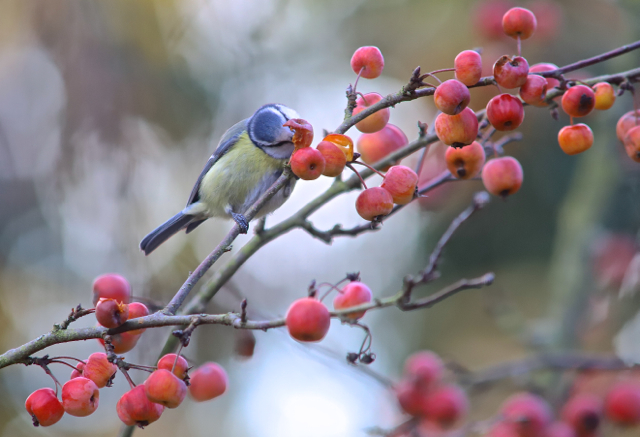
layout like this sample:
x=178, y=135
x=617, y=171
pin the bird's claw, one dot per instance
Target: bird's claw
x=241, y=221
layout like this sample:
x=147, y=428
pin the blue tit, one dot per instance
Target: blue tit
x=248, y=160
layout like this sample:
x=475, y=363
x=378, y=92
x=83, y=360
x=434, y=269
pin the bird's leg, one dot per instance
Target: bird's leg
x=241, y=221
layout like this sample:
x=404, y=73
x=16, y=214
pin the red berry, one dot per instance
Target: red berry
x=99, y=369
x=376, y=146
x=534, y=90
x=451, y=97
x=77, y=371
x=334, y=158
x=560, y=429
x=44, y=407
x=632, y=143
x=424, y=368
x=468, y=67
x=353, y=294
x=605, y=95
x=578, y=101
x=410, y=398
x=622, y=404
x=546, y=66
x=626, y=122
x=575, y=139
x=457, y=130
x=511, y=73
x=122, y=342
x=135, y=409
x=519, y=22
x=111, y=313
x=308, y=319
x=207, y=382
x=307, y=163
x=375, y=121
x=80, y=396
x=502, y=176
x=530, y=414
x=165, y=388
x=505, y=112
x=465, y=162
x=584, y=413
x=446, y=404
x=373, y=203
x=136, y=310
x=167, y=363
x=503, y=429
x=111, y=286
x=401, y=183
x=368, y=59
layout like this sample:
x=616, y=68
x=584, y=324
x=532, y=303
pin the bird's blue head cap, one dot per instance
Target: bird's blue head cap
x=265, y=127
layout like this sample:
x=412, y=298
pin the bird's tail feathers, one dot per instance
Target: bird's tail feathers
x=162, y=233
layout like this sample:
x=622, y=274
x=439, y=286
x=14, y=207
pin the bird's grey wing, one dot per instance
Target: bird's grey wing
x=226, y=142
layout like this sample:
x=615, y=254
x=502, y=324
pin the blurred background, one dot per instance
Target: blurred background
x=109, y=110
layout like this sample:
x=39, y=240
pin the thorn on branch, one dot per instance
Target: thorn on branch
x=312, y=291
x=422, y=130
x=243, y=311
x=184, y=335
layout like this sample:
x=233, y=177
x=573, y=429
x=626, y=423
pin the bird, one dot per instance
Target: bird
x=249, y=158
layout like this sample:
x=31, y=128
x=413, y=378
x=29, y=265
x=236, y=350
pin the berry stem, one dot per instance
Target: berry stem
x=435, y=77
x=519, y=42
x=441, y=71
x=363, y=97
x=53, y=360
x=127, y=377
x=357, y=174
x=368, y=166
x=62, y=357
x=355, y=84
x=175, y=361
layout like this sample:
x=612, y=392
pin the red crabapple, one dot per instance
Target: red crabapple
x=111, y=313
x=375, y=121
x=167, y=363
x=307, y=163
x=99, y=369
x=207, y=382
x=530, y=414
x=519, y=22
x=505, y=112
x=578, y=101
x=80, y=396
x=605, y=95
x=111, y=286
x=632, y=143
x=334, y=158
x=626, y=122
x=77, y=371
x=468, y=67
x=307, y=320
x=622, y=404
x=575, y=139
x=165, y=388
x=374, y=202
x=401, y=183
x=584, y=413
x=368, y=59
x=560, y=429
x=511, y=73
x=135, y=409
x=457, y=130
x=410, y=398
x=451, y=97
x=353, y=294
x=446, y=404
x=465, y=162
x=424, y=368
x=546, y=66
x=123, y=342
x=376, y=146
x=136, y=310
x=534, y=90
x=502, y=176
x=44, y=407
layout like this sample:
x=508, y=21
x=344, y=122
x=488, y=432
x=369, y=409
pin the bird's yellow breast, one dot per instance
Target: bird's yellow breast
x=235, y=175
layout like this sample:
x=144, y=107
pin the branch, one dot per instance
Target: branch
x=224, y=245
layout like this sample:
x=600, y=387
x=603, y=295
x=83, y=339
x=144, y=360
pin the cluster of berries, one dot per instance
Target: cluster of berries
x=166, y=386
x=527, y=415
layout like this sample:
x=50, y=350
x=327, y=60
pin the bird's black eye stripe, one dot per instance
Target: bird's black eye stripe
x=281, y=143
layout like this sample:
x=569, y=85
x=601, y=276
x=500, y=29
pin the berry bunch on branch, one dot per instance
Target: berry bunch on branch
x=433, y=393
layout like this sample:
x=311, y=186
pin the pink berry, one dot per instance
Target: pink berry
x=208, y=381
x=368, y=59
x=353, y=294
x=80, y=396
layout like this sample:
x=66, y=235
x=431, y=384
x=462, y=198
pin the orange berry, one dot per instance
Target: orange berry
x=605, y=95
x=502, y=176
x=575, y=139
x=465, y=162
